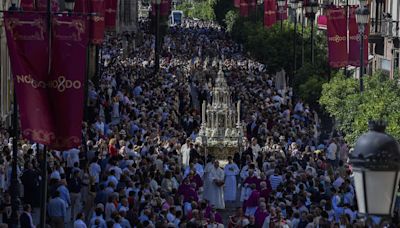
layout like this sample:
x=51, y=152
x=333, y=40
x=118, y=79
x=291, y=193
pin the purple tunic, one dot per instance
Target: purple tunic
x=260, y=217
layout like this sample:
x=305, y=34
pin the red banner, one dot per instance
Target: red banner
x=97, y=22
x=252, y=6
x=337, y=37
x=165, y=8
x=110, y=15
x=27, y=5
x=236, y=3
x=27, y=40
x=41, y=5
x=282, y=15
x=322, y=22
x=269, y=13
x=244, y=8
x=354, y=40
x=68, y=70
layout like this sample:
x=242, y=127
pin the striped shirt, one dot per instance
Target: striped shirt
x=275, y=181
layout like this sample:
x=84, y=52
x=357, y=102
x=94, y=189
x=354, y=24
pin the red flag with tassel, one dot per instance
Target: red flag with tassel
x=244, y=8
x=269, y=13
x=354, y=40
x=337, y=37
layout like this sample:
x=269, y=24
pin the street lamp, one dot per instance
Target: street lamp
x=69, y=5
x=281, y=6
x=13, y=6
x=362, y=19
x=157, y=37
x=376, y=165
x=301, y=5
x=294, y=4
x=311, y=10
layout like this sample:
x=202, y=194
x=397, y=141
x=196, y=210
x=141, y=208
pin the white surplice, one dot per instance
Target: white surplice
x=231, y=171
x=185, y=151
x=206, y=181
x=216, y=192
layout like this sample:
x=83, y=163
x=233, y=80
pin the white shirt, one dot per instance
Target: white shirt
x=118, y=171
x=256, y=149
x=72, y=157
x=332, y=149
x=79, y=224
x=94, y=171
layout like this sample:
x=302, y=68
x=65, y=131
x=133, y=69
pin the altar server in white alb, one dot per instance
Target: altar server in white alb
x=216, y=187
x=231, y=170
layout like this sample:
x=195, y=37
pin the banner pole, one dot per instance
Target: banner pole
x=14, y=176
x=302, y=36
x=43, y=190
x=157, y=41
x=347, y=34
x=43, y=196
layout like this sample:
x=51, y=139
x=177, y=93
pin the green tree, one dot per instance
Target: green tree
x=352, y=110
x=185, y=7
x=199, y=9
x=230, y=19
x=221, y=8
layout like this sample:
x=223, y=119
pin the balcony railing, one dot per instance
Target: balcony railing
x=385, y=27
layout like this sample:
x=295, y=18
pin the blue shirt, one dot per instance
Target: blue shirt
x=64, y=194
x=57, y=207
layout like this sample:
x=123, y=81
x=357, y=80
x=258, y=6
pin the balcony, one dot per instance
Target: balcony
x=384, y=28
x=375, y=32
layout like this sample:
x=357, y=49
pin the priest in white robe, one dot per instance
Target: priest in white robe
x=216, y=188
x=231, y=170
x=185, y=152
x=206, y=179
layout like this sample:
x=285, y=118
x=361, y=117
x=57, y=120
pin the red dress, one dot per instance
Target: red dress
x=112, y=151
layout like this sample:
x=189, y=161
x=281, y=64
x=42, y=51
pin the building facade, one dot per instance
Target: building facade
x=127, y=16
x=384, y=36
x=6, y=85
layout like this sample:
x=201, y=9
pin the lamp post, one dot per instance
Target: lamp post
x=281, y=6
x=69, y=5
x=294, y=4
x=311, y=10
x=302, y=32
x=376, y=166
x=157, y=37
x=362, y=18
x=13, y=6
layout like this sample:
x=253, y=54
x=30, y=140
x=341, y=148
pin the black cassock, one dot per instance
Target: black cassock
x=30, y=180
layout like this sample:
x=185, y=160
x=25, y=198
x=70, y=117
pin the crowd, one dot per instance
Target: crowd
x=141, y=167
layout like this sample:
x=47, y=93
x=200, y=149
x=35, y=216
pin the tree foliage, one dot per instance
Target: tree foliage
x=274, y=47
x=352, y=110
x=203, y=10
x=221, y=9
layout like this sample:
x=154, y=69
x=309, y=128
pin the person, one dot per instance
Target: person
x=57, y=210
x=185, y=152
x=79, y=223
x=6, y=208
x=216, y=178
x=250, y=205
x=98, y=220
x=75, y=185
x=260, y=214
x=238, y=220
x=30, y=180
x=331, y=153
x=207, y=183
x=275, y=180
x=231, y=171
x=25, y=219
